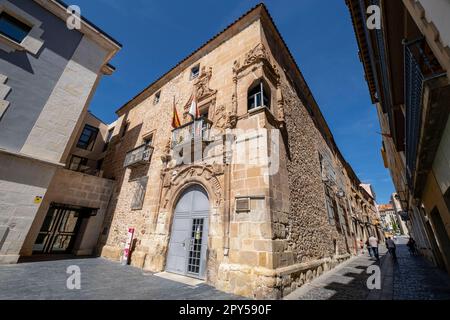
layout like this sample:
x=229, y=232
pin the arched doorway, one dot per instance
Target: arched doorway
x=189, y=237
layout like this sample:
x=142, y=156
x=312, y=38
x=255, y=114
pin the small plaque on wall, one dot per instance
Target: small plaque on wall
x=38, y=199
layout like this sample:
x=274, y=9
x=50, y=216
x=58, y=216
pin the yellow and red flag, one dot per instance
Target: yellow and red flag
x=175, y=119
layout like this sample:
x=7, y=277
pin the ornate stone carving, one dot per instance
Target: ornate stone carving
x=280, y=105
x=202, y=84
x=220, y=117
x=193, y=173
x=257, y=54
x=166, y=157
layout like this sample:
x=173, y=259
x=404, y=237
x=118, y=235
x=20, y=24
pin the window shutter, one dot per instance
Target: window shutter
x=139, y=193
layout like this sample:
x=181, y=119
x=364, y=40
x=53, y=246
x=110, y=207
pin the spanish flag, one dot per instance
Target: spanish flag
x=175, y=119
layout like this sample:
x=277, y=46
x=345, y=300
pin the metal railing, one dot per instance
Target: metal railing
x=196, y=130
x=138, y=156
x=420, y=67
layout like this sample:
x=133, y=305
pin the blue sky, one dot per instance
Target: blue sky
x=158, y=34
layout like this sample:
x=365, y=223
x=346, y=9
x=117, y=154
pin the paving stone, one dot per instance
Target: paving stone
x=100, y=279
x=408, y=278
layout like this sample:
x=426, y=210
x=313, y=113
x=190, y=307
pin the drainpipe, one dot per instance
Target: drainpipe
x=227, y=193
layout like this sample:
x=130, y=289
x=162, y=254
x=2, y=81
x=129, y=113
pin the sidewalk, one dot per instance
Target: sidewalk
x=408, y=278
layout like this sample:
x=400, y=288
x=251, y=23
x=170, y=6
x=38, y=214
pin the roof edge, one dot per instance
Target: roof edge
x=141, y=96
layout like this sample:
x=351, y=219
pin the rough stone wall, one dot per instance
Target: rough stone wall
x=153, y=222
x=284, y=240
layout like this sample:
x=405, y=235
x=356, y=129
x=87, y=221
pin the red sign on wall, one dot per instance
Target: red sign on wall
x=127, y=249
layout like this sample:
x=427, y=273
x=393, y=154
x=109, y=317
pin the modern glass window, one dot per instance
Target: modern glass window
x=195, y=72
x=77, y=163
x=87, y=138
x=258, y=96
x=13, y=28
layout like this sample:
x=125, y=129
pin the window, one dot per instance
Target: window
x=330, y=210
x=77, y=163
x=157, y=97
x=13, y=28
x=258, y=96
x=195, y=72
x=87, y=138
x=148, y=140
x=140, y=185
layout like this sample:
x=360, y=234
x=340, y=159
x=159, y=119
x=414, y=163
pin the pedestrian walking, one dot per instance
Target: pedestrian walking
x=373, y=241
x=412, y=246
x=390, y=244
x=369, y=248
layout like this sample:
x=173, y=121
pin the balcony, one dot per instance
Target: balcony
x=138, y=156
x=198, y=130
x=421, y=67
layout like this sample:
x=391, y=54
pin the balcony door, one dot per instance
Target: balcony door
x=189, y=236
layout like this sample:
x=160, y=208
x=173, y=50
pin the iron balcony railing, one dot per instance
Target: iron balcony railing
x=420, y=66
x=196, y=130
x=138, y=156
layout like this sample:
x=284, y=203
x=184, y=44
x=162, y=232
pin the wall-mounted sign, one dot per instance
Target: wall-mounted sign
x=127, y=249
x=38, y=199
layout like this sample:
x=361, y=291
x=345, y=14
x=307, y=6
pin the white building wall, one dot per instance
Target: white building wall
x=438, y=12
x=441, y=165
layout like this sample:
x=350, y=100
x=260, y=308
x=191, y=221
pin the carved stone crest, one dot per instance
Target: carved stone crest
x=202, y=84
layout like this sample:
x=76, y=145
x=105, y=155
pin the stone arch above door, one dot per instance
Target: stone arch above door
x=175, y=181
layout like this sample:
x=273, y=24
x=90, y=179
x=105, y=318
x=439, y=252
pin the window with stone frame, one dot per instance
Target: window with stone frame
x=148, y=140
x=195, y=72
x=140, y=187
x=258, y=96
x=330, y=209
x=157, y=98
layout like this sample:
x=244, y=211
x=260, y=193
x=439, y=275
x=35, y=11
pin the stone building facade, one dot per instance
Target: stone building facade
x=265, y=204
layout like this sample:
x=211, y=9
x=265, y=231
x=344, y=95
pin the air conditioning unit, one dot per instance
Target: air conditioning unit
x=243, y=204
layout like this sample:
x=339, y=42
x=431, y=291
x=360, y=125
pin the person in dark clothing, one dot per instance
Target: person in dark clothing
x=412, y=246
x=369, y=248
x=390, y=244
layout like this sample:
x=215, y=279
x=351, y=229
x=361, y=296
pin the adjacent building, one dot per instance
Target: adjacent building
x=249, y=191
x=406, y=59
x=391, y=221
x=48, y=73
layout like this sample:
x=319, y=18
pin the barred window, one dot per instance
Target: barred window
x=330, y=210
x=140, y=186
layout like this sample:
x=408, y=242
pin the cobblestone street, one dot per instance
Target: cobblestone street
x=410, y=278
x=100, y=279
